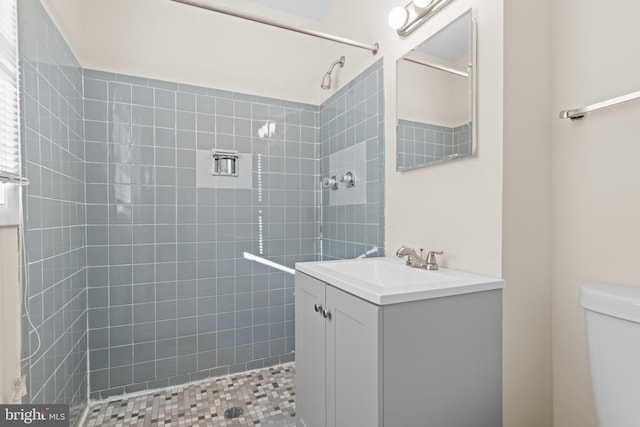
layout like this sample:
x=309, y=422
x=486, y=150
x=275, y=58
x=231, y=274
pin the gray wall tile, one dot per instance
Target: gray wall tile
x=53, y=147
x=353, y=114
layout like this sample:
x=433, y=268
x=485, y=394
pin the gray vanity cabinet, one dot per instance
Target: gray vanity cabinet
x=434, y=362
x=337, y=357
x=311, y=350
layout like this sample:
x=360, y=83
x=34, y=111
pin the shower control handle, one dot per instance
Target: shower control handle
x=330, y=182
x=349, y=179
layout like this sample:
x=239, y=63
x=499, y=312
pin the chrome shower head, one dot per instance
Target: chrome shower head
x=326, y=80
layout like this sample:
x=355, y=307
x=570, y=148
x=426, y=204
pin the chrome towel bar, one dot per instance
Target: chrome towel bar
x=579, y=113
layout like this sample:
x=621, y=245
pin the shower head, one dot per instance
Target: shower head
x=326, y=80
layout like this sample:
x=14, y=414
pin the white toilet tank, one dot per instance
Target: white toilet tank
x=613, y=332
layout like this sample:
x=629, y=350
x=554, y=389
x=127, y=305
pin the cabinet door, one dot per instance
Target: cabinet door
x=353, y=361
x=310, y=352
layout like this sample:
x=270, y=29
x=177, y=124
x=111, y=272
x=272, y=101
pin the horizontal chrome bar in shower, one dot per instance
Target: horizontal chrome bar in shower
x=256, y=258
x=438, y=67
x=579, y=113
x=367, y=253
x=262, y=20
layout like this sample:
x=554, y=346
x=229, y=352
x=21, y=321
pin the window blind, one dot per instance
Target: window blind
x=9, y=94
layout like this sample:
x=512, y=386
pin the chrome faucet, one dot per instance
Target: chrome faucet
x=413, y=260
x=416, y=261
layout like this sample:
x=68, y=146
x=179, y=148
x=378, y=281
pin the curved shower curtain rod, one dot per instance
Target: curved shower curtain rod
x=262, y=20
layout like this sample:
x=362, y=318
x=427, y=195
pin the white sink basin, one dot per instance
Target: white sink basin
x=389, y=281
x=386, y=274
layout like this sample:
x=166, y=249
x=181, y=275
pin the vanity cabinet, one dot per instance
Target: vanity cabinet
x=338, y=357
x=432, y=362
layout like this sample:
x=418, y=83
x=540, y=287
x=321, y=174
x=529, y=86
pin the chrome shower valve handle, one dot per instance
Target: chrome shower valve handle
x=330, y=182
x=349, y=179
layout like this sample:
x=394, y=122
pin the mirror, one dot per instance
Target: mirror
x=435, y=89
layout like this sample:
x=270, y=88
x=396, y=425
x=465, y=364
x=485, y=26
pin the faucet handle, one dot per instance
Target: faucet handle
x=432, y=264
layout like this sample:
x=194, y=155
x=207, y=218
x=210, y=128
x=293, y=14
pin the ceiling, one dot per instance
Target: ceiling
x=310, y=9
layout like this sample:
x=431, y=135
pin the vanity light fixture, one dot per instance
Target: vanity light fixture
x=422, y=3
x=406, y=20
x=398, y=17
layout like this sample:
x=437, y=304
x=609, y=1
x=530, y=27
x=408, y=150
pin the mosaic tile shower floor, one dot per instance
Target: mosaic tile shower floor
x=267, y=397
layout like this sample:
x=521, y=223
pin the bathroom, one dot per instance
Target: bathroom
x=137, y=278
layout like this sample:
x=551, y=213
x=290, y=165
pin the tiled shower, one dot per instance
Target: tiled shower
x=171, y=298
x=136, y=273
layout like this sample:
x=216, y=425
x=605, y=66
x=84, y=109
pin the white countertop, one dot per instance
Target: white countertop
x=388, y=280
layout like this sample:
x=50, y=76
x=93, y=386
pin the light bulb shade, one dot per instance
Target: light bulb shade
x=398, y=17
x=421, y=4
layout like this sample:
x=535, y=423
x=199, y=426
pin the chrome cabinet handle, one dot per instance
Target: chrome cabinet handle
x=318, y=309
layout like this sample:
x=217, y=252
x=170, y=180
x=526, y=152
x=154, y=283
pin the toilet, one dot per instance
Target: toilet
x=613, y=332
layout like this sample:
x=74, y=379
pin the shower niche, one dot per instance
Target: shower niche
x=224, y=163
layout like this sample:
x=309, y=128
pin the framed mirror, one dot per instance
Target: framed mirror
x=436, y=98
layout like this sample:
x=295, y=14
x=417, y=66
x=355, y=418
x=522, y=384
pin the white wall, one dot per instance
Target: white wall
x=456, y=207
x=527, y=214
x=170, y=41
x=595, y=178
x=10, y=312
